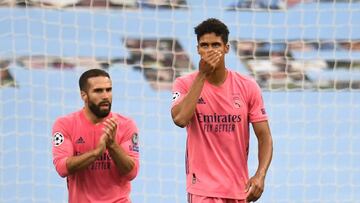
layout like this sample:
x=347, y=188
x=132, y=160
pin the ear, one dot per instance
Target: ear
x=83, y=95
x=227, y=47
x=198, y=51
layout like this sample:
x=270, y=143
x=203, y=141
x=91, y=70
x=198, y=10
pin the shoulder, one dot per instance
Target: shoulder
x=241, y=77
x=124, y=120
x=245, y=85
x=187, y=78
x=183, y=83
x=65, y=124
x=245, y=80
x=68, y=119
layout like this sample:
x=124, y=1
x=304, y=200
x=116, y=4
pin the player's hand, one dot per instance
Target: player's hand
x=101, y=146
x=209, y=61
x=254, y=188
x=110, y=127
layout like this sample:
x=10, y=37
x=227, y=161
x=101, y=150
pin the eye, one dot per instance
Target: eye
x=204, y=45
x=216, y=45
x=98, y=90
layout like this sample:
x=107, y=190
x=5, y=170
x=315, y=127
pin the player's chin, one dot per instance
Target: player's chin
x=105, y=111
x=103, y=114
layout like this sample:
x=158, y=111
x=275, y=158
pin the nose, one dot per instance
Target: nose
x=105, y=95
x=210, y=48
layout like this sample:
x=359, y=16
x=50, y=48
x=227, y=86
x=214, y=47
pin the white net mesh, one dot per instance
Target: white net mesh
x=304, y=54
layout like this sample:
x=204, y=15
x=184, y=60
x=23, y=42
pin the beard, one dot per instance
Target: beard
x=97, y=111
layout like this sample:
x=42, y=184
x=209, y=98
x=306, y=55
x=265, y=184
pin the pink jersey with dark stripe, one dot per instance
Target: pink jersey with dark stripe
x=218, y=134
x=100, y=182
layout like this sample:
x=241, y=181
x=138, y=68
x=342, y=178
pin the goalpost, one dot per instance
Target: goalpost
x=305, y=55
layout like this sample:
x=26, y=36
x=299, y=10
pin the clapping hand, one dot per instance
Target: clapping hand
x=110, y=127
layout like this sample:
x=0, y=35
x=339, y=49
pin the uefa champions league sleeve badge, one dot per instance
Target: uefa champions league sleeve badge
x=58, y=139
x=175, y=96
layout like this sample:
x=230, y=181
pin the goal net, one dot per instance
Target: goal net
x=305, y=55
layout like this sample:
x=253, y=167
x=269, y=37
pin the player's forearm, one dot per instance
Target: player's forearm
x=77, y=163
x=124, y=163
x=265, y=150
x=184, y=111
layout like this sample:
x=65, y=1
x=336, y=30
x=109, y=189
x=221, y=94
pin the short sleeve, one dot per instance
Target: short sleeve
x=256, y=103
x=179, y=91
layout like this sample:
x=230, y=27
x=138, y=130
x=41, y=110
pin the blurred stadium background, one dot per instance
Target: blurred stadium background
x=305, y=54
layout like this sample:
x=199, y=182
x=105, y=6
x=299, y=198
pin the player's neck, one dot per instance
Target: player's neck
x=218, y=77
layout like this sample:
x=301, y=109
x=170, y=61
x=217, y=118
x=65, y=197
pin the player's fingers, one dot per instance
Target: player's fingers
x=247, y=186
x=214, y=55
x=106, y=131
x=213, y=52
x=109, y=126
x=215, y=59
x=114, y=121
x=110, y=123
x=210, y=54
x=207, y=54
x=250, y=191
x=212, y=63
x=212, y=59
x=257, y=191
x=103, y=140
x=256, y=194
x=112, y=127
x=250, y=198
x=110, y=134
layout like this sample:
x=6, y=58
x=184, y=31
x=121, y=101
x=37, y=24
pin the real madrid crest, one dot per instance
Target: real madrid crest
x=237, y=102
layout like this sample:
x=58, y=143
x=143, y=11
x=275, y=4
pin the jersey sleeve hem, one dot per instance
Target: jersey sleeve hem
x=254, y=120
x=61, y=167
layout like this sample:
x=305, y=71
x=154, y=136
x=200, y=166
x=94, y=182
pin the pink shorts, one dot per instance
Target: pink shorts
x=201, y=199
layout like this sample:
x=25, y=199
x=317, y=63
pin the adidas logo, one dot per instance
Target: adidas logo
x=80, y=141
x=201, y=101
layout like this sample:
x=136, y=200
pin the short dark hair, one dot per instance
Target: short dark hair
x=83, y=81
x=212, y=25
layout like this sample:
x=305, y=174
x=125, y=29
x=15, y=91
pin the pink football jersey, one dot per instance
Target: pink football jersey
x=218, y=134
x=74, y=135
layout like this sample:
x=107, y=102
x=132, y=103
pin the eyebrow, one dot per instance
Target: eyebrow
x=205, y=43
x=101, y=89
